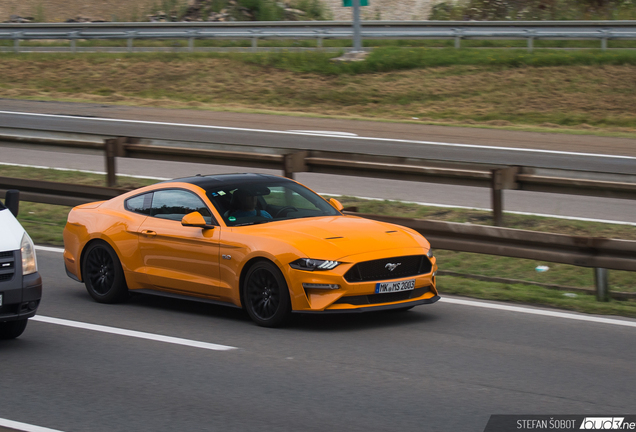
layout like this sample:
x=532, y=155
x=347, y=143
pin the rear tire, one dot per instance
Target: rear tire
x=266, y=295
x=103, y=274
x=12, y=329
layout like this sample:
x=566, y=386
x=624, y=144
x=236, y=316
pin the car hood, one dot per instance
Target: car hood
x=11, y=232
x=340, y=236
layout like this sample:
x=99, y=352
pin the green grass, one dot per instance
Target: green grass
x=522, y=269
x=389, y=59
x=534, y=295
x=46, y=222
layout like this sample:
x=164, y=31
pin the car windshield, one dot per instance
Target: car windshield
x=262, y=202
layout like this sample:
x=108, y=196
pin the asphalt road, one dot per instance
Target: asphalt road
x=385, y=138
x=250, y=134
x=440, y=367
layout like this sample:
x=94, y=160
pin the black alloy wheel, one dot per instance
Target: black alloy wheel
x=103, y=274
x=266, y=295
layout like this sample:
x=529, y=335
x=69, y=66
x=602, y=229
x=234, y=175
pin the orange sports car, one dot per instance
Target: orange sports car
x=260, y=242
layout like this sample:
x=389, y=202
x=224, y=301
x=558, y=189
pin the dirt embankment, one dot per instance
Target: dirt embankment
x=61, y=10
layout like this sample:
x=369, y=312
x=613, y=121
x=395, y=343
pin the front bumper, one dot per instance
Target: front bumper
x=21, y=299
x=376, y=308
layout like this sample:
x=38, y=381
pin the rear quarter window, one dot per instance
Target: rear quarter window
x=140, y=204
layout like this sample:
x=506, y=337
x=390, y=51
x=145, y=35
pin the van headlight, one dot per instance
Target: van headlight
x=27, y=251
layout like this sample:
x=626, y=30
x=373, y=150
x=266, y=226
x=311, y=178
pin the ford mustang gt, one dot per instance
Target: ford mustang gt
x=260, y=242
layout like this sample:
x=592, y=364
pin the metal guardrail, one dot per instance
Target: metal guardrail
x=530, y=31
x=598, y=253
x=497, y=178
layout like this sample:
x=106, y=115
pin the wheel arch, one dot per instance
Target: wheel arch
x=246, y=268
x=86, y=247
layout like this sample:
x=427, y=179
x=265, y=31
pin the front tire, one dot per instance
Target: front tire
x=266, y=295
x=103, y=274
x=12, y=329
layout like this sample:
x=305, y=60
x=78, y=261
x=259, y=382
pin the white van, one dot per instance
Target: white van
x=20, y=282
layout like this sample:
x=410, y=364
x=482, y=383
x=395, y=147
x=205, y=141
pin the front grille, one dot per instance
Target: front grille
x=377, y=270
x=373, y=299
x=7, y=266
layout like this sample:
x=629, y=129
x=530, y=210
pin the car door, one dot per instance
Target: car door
x=177, y=258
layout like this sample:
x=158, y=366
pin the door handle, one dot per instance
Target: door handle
x=149, y=233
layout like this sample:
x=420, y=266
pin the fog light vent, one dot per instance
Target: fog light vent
x=321, y=286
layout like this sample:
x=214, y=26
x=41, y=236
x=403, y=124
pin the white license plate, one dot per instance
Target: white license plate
x=387, y=287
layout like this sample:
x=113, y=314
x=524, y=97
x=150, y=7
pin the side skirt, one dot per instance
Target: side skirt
x=183, y=297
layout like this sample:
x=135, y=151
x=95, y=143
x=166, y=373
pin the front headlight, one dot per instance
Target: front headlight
x=27, y=250
x=430, y=253
x=309, y=264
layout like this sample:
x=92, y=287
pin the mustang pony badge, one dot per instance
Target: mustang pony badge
x=392, y=266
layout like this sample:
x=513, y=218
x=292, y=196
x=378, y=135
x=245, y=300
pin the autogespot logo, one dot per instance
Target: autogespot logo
x=607, y=423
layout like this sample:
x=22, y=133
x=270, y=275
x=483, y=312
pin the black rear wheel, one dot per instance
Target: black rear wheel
x=12, y=329
x=266, y=295
x=103, y=274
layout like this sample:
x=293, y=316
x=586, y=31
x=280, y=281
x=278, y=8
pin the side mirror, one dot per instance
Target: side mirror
x=334, y=202
x=12, y=201
x=195, y=219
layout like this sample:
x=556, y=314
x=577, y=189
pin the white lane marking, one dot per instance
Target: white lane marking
x=133, y=333
x=24, y=426
x=334, y=133
x=436, y=143
x=549, y=313
x=82, y=171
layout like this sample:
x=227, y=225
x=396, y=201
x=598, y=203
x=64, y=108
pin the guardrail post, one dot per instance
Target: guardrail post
x=254, y=43
x=131, y=36
x=602, y=289
x=497, y=198
x=605, y=35
x=502, y=178
x=73, y=38
x=16, y=42
x=530, y=40
x=294, y=162
x=191, y=40
x=113, y=147
x=458, y=38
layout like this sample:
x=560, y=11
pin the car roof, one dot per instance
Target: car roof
x=228, y=180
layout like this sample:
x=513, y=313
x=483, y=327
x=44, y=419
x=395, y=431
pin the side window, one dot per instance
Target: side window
x=140, y=203
x=173, y=204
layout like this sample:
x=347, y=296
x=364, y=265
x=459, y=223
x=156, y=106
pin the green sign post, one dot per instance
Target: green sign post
x=357, y=27
x=349, y=3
